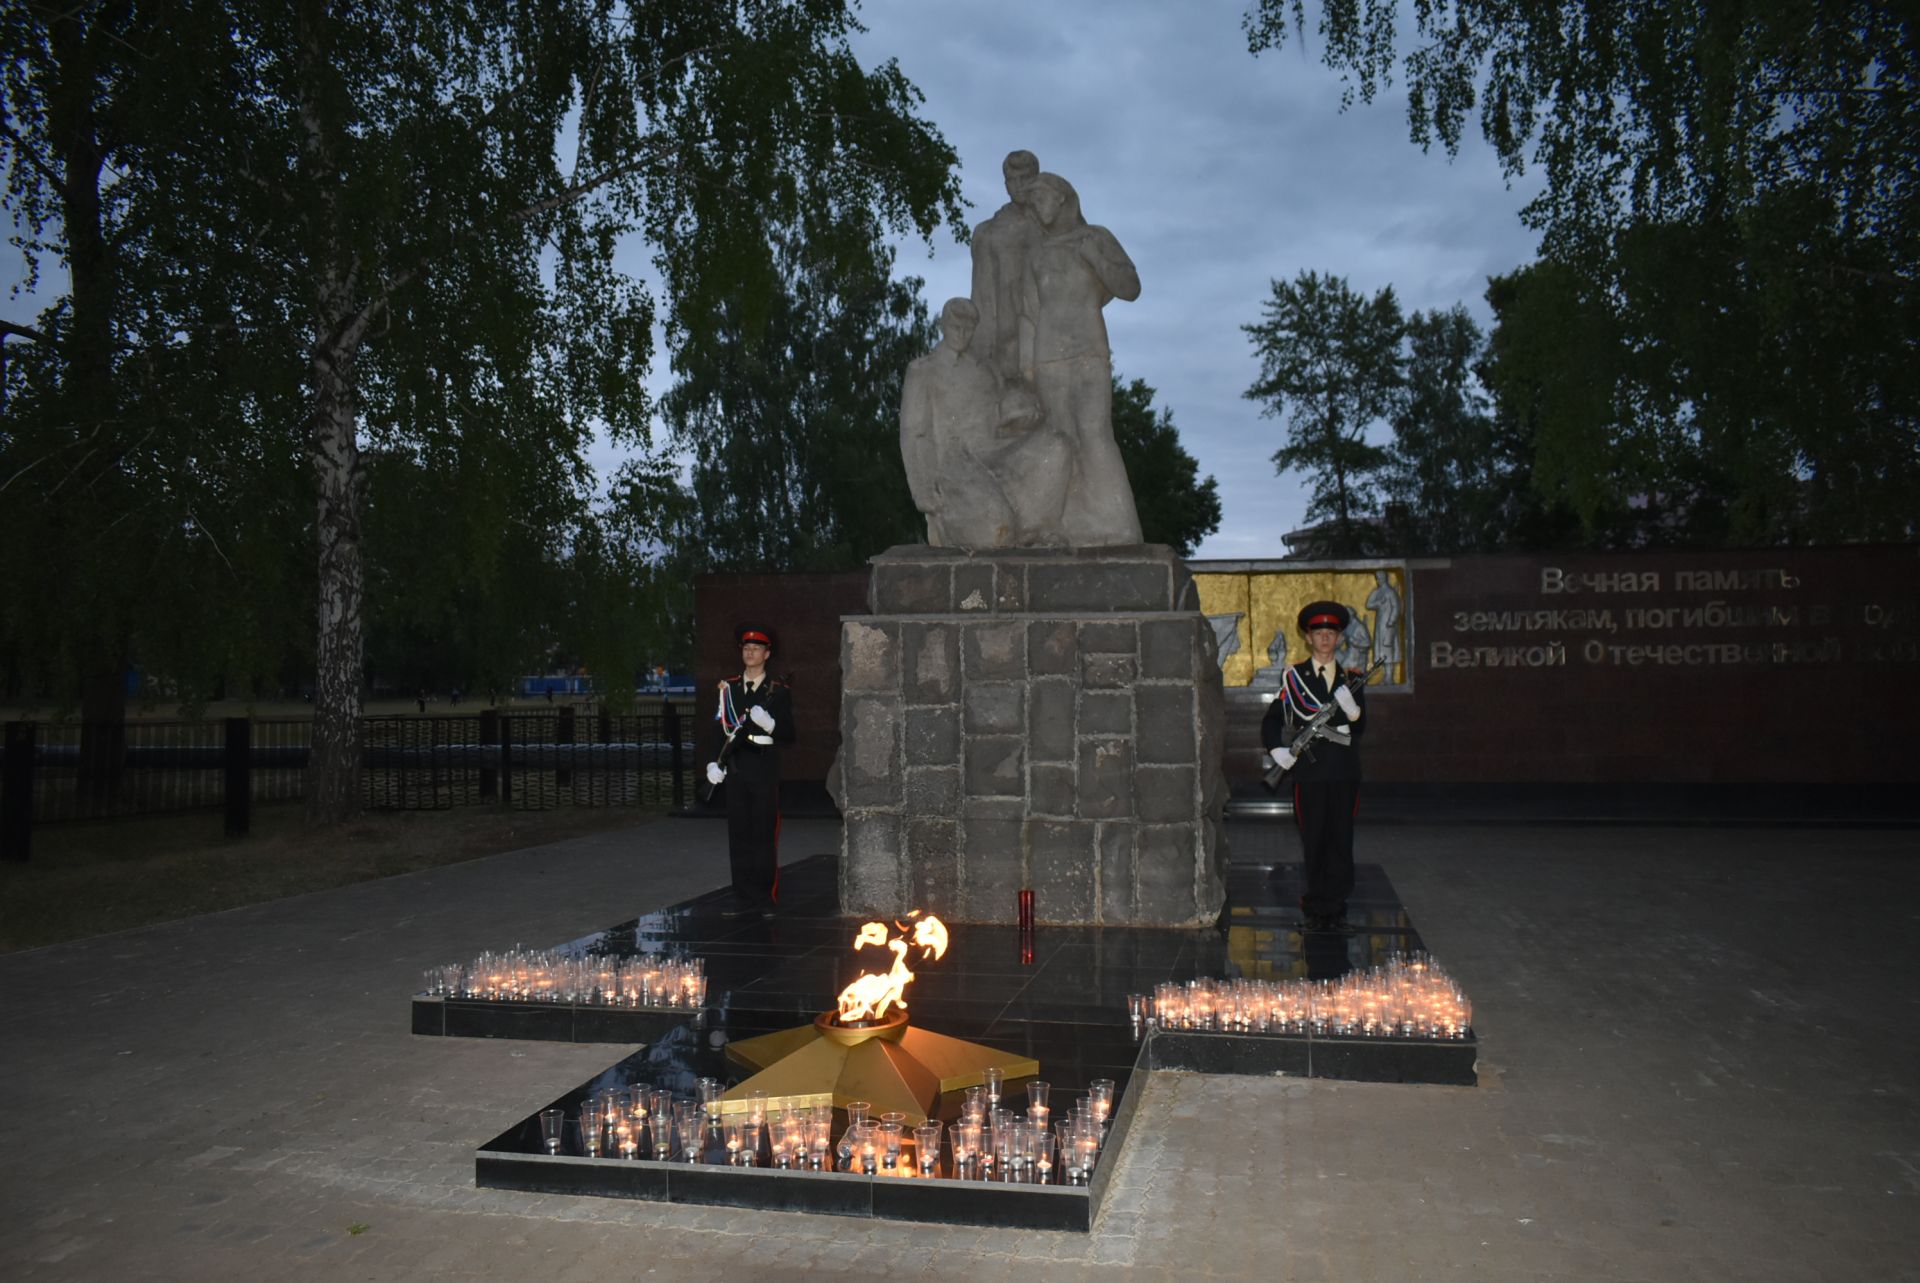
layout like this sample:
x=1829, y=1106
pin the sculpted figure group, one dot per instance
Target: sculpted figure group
x=1007, y=425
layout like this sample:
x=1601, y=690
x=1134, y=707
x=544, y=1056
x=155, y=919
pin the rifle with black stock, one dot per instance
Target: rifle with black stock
x=1317, y=728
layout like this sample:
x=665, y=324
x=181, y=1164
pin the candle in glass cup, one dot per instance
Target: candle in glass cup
x=1100, y=1098
x=734, y=1135
x=926, y=1146
x=890, y=1142
x=966, y=1149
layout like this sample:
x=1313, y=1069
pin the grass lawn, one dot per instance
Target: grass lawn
x=92, y=877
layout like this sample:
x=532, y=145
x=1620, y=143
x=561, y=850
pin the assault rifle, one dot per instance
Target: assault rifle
x=1318, y=726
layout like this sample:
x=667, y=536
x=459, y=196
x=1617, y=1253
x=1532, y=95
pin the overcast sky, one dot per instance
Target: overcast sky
x=1217, y=171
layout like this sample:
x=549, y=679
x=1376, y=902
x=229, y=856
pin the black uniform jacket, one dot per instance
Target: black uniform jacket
x=1287, y=717
x=776, y=699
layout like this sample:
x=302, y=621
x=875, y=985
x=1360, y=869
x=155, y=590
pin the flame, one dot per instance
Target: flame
x=869, y=996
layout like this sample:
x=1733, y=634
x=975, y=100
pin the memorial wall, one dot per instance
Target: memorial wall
x=1769, y=666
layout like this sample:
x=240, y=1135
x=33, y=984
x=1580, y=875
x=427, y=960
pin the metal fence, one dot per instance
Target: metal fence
x=52, y=772
x=559, y=759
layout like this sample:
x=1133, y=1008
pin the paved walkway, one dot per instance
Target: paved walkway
x=1688, y=1073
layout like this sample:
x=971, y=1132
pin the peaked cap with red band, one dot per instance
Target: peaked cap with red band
x=1324, y=614
x=744, y=633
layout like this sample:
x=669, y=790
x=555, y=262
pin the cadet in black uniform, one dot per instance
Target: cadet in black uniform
x=1326, y=784
x=757, y=712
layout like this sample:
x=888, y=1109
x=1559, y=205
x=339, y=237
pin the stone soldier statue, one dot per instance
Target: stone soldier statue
x=1007, y=434
x=1076, y=269
x=980, y=484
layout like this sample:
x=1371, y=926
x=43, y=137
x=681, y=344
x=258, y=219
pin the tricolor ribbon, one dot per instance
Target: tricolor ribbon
x=1298, y=695
x=729, y=720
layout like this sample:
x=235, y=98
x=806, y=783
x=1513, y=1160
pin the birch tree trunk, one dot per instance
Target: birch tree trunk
x=333, y=447
x=333, y=455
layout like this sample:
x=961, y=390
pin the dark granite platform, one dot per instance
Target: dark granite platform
x=1065, y=1007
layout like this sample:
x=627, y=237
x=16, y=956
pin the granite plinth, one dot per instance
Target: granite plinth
x=1050, y=720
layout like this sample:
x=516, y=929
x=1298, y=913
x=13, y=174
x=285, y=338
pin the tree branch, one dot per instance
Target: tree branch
x=575, y=192
x=347, y=334
x=585, y=187
x=9, y=329
x=24, y=149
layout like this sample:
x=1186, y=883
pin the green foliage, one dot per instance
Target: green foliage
x=790, y=406
x=1330, y=361
x=1442, y=458
x=349, y=288
x=1176, y=507
x=1460, y=476
x=1644, y=112
x=1731, y=234
x=149, y=489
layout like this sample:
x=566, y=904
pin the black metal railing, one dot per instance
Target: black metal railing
x=53, y=772
x=593, y=759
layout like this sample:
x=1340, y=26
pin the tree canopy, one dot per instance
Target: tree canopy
x=375, y=246
x=1330, y=362
x=1730, y=233
x=791, y=407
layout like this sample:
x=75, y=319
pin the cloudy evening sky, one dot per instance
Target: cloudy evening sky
x=1218, y=172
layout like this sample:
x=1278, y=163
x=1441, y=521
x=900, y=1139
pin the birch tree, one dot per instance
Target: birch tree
x=402, y=221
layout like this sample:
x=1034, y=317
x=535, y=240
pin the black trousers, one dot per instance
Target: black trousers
x=1323, y=811
x=753, y=825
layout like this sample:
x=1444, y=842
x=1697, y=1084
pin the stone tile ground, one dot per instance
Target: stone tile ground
x=1690, y=1072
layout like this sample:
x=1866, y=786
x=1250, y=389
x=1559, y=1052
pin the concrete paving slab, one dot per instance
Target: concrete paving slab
x=1695, y=1066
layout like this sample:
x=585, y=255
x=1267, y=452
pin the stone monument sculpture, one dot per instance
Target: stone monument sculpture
x=979, y=485
x=1355, y=643
x=1384, y=602
x=1226, y=635
x=1034, y=702
x=1274, y=674
x=1041, y=277
x=1074, y=271
x=1002, y=247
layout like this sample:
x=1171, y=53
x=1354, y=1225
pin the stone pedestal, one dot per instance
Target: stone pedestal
x=1043, y=719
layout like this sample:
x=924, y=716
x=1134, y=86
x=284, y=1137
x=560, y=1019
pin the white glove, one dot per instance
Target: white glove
x=1348, y=704
x=714, y=773
x=1283, y=759
x=761, y=718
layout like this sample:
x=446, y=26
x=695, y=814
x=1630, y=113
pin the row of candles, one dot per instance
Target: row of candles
x=650, y=980
x=1407, y=996
x=987, y=1142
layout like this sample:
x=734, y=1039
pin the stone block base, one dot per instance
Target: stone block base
x=1051, y=720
